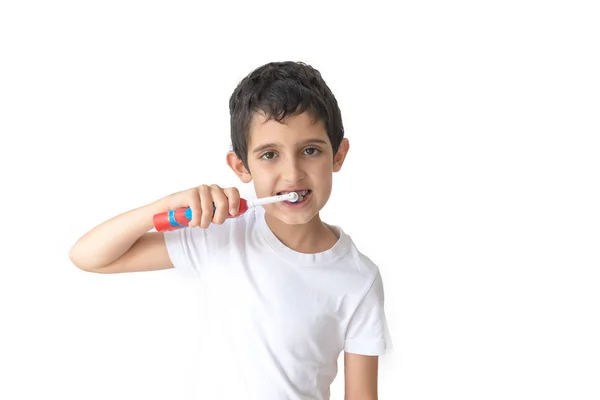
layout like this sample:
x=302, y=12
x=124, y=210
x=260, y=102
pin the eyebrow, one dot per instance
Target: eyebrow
x=265, y=146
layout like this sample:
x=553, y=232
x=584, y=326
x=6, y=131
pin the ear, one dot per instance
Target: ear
x=340, y=156
x=238, y=167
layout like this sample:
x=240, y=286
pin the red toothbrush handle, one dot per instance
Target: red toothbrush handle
x=181, y=217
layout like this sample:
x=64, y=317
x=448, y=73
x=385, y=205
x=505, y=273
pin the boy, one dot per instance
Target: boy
x=292, y=291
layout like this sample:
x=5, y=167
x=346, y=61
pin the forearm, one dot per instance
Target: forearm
x=360, y=397
x=111, y=239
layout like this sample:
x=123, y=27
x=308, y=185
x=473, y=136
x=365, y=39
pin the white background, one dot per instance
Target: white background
x=472, y=181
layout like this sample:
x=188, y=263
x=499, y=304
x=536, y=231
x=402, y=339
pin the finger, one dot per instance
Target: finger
x=206, y=202
x=233, y=196
x=220, y=201
x=195, y=206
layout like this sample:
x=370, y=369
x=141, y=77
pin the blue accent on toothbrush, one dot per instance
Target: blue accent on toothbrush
x=172, y=219
x=188, y=215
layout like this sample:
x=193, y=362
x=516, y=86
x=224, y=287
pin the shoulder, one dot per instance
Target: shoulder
x=355, y=268
x=369, y=270
x=196, y=249
x=358, y=260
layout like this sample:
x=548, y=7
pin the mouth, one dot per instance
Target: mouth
x=302, y=195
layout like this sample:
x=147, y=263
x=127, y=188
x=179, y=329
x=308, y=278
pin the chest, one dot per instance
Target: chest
x=290, y=310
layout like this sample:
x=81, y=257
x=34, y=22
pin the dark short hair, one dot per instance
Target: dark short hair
x=280, y=90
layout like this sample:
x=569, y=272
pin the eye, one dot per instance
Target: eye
x=312, y=151
x=268, y=155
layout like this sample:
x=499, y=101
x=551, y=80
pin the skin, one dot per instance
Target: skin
x=297, y=154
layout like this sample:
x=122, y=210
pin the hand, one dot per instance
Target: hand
x=203, y=200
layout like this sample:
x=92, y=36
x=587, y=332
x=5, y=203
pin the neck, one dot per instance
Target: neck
x=312, y=237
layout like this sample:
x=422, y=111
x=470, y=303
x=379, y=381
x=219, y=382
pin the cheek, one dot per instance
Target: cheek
x=323, y=174
x=265, y=185
x=326, y=184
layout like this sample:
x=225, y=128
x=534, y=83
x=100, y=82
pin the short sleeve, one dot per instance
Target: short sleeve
x=186, y=249
x=367, y=332
x=192, y=250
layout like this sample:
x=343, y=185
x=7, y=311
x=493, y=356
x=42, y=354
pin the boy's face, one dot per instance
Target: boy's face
x=292, y=156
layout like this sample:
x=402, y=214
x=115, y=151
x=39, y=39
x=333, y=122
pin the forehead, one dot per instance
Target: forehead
x=291, y=130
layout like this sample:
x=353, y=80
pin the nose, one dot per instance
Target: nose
x=291, y=170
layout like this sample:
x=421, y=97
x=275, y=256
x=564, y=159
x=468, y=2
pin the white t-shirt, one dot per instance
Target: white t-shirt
x=281, y=317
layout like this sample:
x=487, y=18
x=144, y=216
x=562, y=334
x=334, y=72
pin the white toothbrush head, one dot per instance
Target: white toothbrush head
x=291, y=197
x=294, y=197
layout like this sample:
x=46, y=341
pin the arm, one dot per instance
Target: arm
x=123, y=244
x=367, y=338
x=360, y=373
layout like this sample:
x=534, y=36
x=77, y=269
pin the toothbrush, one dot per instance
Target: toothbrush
x=180, y=218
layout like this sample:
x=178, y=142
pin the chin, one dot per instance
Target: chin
x=294, y=217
